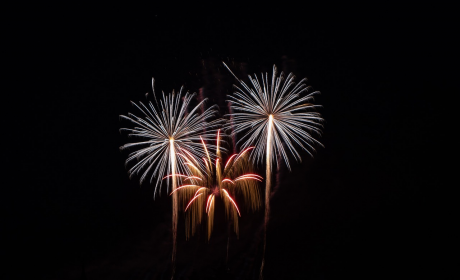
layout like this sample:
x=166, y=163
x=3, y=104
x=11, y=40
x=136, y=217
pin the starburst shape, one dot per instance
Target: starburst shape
x=165, y=129
x=275, y=116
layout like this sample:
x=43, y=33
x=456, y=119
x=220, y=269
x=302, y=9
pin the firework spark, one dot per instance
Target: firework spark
x=215, y=180
x=272, y=117
x=163, y=130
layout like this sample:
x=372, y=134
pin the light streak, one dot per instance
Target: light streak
x=206, y=151
x=244, y=178
x=177, y=175
x=181, y=187
x=234, y=204
x=208, y=204
x=200, y=189
x=192, y=178
x=188, y=205
x=228, y=161
x=243, y=152
x=175, y=208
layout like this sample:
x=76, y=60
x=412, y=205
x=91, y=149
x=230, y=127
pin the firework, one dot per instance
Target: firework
x=162, y=130
x=215, y=179
x=274, y=116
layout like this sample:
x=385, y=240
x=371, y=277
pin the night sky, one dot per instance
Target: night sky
x=361, y=208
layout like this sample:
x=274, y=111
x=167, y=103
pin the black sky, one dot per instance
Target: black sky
x=361, y=208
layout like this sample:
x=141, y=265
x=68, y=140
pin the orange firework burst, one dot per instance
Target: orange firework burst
x=211, y=178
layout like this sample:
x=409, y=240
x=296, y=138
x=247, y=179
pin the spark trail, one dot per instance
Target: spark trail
x=274, y=118
x=162, y=130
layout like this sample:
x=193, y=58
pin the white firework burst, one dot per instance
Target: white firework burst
x=270, y=117
x=273, y=116
x=165, y=129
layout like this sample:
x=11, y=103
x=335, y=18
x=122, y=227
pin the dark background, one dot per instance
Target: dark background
x=362, y=208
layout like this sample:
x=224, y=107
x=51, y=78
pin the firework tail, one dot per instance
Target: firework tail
x=174, y=205
x=154, y=157
x=234, y=151
x=267, y=190
x=228, y=244
x=258, y=105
